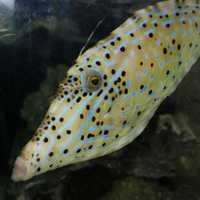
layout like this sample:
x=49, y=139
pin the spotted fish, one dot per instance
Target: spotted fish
x=114, y=89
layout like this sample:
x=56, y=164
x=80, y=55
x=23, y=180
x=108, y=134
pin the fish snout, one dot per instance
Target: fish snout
x=19, y=172
x=22, y=170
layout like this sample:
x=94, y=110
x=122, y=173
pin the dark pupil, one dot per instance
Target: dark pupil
x=95, y=81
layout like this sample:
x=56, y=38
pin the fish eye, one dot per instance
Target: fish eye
x=93, y=81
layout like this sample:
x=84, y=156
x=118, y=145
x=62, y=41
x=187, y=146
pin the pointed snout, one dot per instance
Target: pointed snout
x=22, y=170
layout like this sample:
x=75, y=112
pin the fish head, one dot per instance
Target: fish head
x=80, y=122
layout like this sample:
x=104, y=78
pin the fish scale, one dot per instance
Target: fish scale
x=114, y=89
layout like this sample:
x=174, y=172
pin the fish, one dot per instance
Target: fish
x=114, y=88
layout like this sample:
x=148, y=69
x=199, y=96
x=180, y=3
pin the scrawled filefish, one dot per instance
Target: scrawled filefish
x=114, y=89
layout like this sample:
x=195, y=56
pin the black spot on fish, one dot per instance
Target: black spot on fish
x=78, y=151
x=68, y=132
x=122, y=49
x=65, y=151
x=51, y=154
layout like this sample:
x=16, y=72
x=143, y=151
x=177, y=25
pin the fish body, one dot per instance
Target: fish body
x=114, y=89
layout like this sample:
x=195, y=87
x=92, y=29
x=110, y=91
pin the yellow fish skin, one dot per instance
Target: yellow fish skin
x=114, y=89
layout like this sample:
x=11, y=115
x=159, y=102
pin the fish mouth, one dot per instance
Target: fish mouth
x=20, y=170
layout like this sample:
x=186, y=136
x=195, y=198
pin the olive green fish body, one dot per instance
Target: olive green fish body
x=109, y=96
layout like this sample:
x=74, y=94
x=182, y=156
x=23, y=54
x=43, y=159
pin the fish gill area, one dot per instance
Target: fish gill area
x=163, y=163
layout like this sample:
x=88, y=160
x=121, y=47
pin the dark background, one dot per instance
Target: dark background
x=161, y=164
